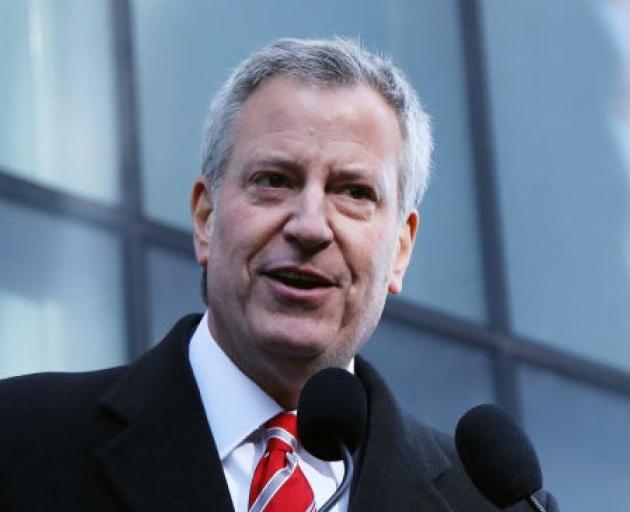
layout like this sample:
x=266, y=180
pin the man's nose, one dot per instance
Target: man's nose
x=309, y=225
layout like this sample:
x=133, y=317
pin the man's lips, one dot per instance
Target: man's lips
x=300, y=276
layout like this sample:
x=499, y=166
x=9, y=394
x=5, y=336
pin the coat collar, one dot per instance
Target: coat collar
x=400, y=460
x=164, y=457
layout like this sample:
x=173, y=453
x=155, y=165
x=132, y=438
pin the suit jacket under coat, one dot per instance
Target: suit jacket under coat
x=136, y=438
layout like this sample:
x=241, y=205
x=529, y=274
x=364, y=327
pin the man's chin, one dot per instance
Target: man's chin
x=293, y=345
x=307, y=356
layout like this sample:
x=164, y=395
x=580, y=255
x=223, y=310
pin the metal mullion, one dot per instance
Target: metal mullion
x=518, y=349
x=442, y=324
x=480, y=128
x=169, y=237
x=134, y=260
x=61, y=204
x=572, y=366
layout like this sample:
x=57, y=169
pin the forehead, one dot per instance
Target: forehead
x=283, y=107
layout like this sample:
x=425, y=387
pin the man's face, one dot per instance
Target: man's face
x=303, y=240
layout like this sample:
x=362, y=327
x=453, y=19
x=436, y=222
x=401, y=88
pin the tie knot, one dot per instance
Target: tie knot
x=284, y=420
x=281, y=432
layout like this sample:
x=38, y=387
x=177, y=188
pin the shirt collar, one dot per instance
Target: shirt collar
x=235, y=405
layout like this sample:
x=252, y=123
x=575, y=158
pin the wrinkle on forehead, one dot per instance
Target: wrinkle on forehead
x=327, y=113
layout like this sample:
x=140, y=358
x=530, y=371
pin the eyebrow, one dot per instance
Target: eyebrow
x=350, y=174
x=279, y=162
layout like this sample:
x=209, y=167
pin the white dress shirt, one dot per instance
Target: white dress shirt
x=236, y=408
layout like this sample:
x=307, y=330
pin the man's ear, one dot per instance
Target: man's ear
x=404, y=247
x=200, y=210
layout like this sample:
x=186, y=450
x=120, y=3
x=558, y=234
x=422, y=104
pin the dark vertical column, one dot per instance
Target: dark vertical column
x=479, y=118
x=134, y=264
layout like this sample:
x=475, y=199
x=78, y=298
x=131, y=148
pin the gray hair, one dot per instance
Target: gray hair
x=331, y=63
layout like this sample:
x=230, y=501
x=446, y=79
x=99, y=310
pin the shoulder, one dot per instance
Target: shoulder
x=42, y=393
x=424, y=439
x=59, y=394
x=41, y=410
x=418, y=431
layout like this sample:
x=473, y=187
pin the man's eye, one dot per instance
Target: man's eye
x=272, y=180
x=358, y=192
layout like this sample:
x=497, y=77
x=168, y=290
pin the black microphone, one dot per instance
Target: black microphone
x=332, y=417
x=498, y=457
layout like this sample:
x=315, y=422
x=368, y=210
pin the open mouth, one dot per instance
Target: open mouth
x=299, y=279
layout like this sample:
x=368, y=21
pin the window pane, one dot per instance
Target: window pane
x=175, y=287
x=183, y=54
x=57, y=115
x=435, y=379
x=61, y=304
x=581, y=435
x=561, y=105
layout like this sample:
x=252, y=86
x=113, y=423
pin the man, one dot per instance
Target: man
x=316, y=155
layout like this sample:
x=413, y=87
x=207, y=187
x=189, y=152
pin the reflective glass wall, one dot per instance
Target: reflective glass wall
x=519, y=288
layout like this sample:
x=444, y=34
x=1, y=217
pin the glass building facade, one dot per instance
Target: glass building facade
x=519, y=288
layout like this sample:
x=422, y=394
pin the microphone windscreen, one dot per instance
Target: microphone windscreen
x=497, y=455
x=332, y=409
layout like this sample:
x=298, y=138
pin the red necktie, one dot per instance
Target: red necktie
x=278, y=484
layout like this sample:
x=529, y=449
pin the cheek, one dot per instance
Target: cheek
x=383, y=262
x=225, y=238
x=371, y=261
x=240, y=237
x=232, y=227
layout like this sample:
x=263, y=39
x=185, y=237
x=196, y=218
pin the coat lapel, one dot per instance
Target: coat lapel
x=164, y=457
x=397, y=466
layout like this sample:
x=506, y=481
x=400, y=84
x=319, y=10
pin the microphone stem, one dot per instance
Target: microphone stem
x=348, y=471
x=535, y=504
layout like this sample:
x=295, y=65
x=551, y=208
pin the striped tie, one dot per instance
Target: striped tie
x=279, y=484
